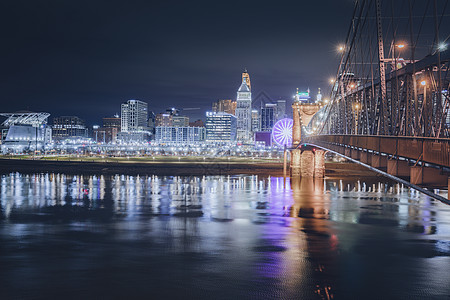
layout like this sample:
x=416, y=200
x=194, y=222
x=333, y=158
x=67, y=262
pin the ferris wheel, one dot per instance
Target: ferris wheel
x=282, y=132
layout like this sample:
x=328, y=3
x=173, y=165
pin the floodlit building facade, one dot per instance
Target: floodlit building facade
x=246, y=78
x=244, y=113
x=69, y=127
x=25, y=131
x=164, y=120
x=220, y=127
x=134, y=114
x=179, y=135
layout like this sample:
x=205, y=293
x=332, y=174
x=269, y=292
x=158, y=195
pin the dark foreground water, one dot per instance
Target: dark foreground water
x=219, y=237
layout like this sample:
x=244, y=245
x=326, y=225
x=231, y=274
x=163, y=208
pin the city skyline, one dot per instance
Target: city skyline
x=87, y=60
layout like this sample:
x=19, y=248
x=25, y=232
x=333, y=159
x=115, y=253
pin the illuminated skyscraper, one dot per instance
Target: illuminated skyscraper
x=244, y=113
x=247, y=79
x=134, y=116
x=268, y=116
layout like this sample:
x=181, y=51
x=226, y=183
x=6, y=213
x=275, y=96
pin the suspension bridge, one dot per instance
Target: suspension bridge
x=389, y=101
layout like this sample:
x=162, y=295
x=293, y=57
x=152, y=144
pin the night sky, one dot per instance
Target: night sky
x=85, y=58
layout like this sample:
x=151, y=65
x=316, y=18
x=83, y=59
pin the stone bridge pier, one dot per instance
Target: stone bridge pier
x=307, y=162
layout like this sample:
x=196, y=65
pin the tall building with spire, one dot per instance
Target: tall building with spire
x=247, y=79
x=244, y=112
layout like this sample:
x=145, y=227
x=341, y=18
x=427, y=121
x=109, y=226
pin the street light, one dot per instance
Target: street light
x=442, y=47
x=424, y=83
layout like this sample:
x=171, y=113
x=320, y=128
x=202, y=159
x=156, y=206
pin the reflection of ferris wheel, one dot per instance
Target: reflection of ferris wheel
x=282, y=132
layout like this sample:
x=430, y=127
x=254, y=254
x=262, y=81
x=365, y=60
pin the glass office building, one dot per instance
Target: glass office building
x=220, y=127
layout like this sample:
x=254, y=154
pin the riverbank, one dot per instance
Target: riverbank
x=174, y=167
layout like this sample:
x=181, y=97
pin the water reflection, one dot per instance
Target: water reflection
x=218, y=198
x=233, y=236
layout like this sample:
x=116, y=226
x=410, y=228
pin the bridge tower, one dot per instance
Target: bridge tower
x=305, y=161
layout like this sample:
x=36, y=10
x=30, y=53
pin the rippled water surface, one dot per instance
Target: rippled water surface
x=219, y=237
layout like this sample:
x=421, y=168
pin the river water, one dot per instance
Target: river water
x=219, y=237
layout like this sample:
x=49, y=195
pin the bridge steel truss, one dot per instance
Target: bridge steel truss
x=407, y=110
x=383, y=101
x=374, y=95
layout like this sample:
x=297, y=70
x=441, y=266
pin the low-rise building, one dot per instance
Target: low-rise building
x=179, y=135
x=69, y=127
x=180, y=121
x=163, y=120
x=24, y=131
x=105, y=135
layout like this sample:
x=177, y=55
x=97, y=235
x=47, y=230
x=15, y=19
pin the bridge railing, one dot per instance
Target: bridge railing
x=427, y=149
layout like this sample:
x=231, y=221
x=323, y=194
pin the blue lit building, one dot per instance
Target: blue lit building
x=268, y=116
x=220, y=127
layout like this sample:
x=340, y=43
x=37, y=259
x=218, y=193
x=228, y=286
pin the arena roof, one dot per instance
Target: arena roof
x=25, y=118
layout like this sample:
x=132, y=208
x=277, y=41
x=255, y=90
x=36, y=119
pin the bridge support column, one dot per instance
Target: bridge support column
x=319, y=163
x=356, y=154
x=348, y=152
x=427, y=175
x=296, y=164
x=398, y=167
x=308, y=164
x=416, y=175
x=379, y=161
x=364, y=157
